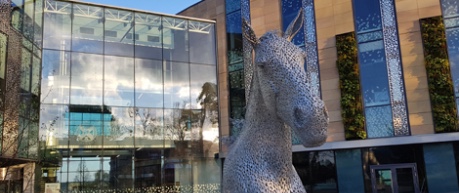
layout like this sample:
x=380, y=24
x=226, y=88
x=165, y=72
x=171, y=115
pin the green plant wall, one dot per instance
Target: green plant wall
x=439, y=75
x=349, y=80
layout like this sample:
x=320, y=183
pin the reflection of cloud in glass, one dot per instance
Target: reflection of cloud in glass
x=118, y=81
x=86, y=80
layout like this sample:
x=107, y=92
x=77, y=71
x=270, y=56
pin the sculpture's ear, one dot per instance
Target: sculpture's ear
x=248, y=33
x=295, y=26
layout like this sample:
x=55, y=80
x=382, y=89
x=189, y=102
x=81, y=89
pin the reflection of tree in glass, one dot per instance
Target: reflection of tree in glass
x=150, y=123
x=177, y=125
x=208, y=100
x=83, y=177
x=101, y=179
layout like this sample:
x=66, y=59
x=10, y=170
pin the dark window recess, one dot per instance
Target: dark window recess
x=129, y=36
x=153, y=38
x=110, y=33
x=87, y=30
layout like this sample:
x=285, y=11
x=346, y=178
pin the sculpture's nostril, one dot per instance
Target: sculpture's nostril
x=298, y=115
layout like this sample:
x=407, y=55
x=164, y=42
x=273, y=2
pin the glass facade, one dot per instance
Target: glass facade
x=235, y=64
x=450, y=10
x=371, y=32
x=129, y=100
x=372, y=60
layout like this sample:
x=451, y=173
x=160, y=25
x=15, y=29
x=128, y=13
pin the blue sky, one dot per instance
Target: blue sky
x=159, y=6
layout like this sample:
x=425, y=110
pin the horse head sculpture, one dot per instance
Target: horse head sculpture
x=279, y=67
x=280, y=101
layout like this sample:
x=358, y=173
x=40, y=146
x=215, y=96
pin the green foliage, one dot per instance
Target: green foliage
x=351, y=97
x=439, y=75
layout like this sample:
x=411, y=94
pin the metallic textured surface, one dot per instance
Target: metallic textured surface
x=280, y=101
x=247, y=50
x=310, y=44
x=394, y=67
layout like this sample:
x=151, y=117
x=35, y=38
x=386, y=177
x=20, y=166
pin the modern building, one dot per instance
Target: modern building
x=388, y=73
x=105, y=99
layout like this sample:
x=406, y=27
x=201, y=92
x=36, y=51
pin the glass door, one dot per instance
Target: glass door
x=394, y=178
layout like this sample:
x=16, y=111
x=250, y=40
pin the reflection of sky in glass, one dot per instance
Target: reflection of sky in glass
x=148, y=83
x=367, y=15
x=232, y=5
x=374, y=80
x=118, y=81
x=86, y=79
x=234, y=23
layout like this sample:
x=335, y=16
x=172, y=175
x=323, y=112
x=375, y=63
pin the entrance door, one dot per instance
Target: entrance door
x=394, y=178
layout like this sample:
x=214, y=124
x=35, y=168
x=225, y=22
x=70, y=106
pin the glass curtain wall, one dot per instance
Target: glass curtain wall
x=129, y=100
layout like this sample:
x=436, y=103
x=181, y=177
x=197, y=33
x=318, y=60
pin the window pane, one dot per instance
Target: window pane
x=148, y=169
x=148, y=36
x=54, y=130
x=175, y=39
x=86, y=128
x=55, y=80
x=33, y=143
x=148, y=83
x=118, y=123
x=3, y=50
x=176, y=85
x=202, y=34
x=25, y=70
x=450, y=8
x=316, y=170
x=372, y=62
x=57, y=25
x=379, y=121
x=119, y=81
x=232, y=5
x=17, y=14
x=38, y=19
x=349, y=171
x=203, y=86
x=117, y=25
x=367, y=15
x=35, y=76
x=87, y=28
x=86, y=82
x=28, y=19
x=452, y=37
x=440, y=165
x=149, y=130
x=234, y=38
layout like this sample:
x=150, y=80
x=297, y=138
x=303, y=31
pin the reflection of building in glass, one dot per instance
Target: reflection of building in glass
x=97, y=98
x=398, y=142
